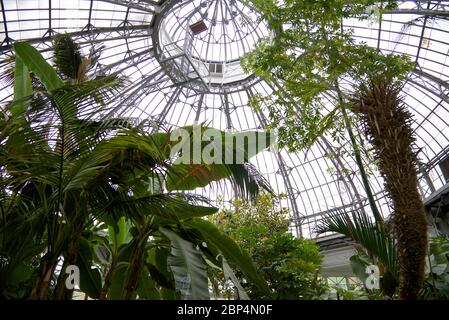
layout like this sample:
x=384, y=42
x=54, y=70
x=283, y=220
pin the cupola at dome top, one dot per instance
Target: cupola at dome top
x=201, y=41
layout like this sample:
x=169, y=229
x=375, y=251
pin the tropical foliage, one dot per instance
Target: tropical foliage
x=104, y=195
x=320, y=75
x=290, y=265
x=436, y=284
x=80, y=186
x=376, y=246
x=306, y=61
x=308, y=56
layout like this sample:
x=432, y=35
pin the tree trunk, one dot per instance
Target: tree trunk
x=70, y=257
x=61, y=291
x=386, y=123
x=107, y=280
x=40, y=289
x=133, y=273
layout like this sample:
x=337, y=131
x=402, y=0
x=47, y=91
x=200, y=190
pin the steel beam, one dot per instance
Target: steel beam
x=82, y=33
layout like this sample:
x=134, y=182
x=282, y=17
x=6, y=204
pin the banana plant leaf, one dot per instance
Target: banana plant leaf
x=188, y=268
x=22, y=86
x=38, y=65
x=222, y=244
x=90, y=279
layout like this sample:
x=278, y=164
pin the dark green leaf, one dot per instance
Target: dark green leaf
x=90, y=278
x=188, y=268
x=147, y=287
x=214, y=237
x=22, y=86
x=37, y=64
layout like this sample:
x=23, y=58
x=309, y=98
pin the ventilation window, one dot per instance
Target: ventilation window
x=216, y=68
x=198, y=27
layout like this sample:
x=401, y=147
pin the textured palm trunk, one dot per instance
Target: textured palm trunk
x=40, y=289
x=386, y=123
x=108, y=279
x=70, y=258
x=133, y=273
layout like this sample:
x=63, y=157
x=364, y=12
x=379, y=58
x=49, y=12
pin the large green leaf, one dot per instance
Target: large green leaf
x=118, y=278
x=117, y=282
x=90, y=278
x=37, y=64
x=160, y=271
x=188, y=268
x=230, y=250
x=147, y=287
x=117, y=233
x=252, y=142
x=192, y=176
x=230, y=275
x=358, y=266
x=220, y=145
x=22, y=86
x=160, y=278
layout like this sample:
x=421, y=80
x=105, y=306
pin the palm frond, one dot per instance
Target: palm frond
x=372, y=236
x=7, y=71
x=67, y=55
x=170, y=208
x=246, y=182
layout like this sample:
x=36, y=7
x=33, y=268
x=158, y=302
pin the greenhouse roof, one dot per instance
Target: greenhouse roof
x=182, y=60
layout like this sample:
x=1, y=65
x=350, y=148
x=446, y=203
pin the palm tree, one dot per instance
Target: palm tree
x=44, y=146
x=386, y=122
x=66, y=171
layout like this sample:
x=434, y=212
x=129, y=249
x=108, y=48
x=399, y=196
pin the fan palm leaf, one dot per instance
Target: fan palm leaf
x=372, y=236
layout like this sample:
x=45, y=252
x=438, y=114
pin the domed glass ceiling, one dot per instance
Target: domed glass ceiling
x=182, y=61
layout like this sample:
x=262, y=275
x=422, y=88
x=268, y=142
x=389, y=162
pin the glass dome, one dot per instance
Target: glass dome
x=182, y=59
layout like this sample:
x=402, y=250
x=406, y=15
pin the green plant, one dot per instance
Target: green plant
x=377, y=246
x=353, y=293
x=309, y=53
x=308, y=56
x=289, y=265
x=305, y=63
x=40, y=146
x=102, y=194
x=436, y=284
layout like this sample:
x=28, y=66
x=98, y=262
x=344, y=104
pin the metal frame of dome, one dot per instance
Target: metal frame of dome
x=314, y=182
x=187, y=57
